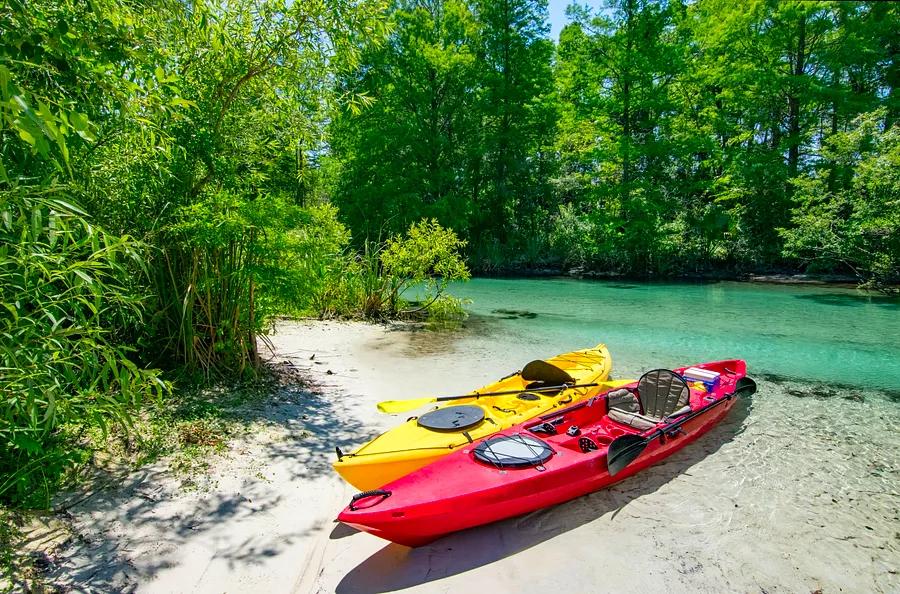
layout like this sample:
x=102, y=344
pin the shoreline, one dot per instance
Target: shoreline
x=775, y=278
x=725, y=514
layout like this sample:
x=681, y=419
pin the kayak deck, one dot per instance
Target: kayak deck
x=410, y=446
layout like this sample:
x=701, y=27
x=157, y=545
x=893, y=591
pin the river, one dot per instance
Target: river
x=796, y=491
x=834, y=338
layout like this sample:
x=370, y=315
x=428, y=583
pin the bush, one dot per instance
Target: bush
x=429, y=256
x=848, y=213
x=64, y=369
x=372, y=283
x=572, y=237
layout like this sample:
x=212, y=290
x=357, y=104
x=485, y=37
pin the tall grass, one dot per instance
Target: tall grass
x=204, y=276
x=206, y=304
x=63, y=368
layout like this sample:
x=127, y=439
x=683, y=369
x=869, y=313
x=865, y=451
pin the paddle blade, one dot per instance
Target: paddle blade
x=397, y=406
x=745, y=387
x=541, y=371
x=622, y=452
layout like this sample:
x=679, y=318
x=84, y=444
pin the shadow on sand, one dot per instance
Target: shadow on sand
x=395, y=567
x=146, y=509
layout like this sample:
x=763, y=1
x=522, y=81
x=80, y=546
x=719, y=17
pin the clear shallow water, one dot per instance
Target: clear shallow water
x=797, y=490
x=826, y=336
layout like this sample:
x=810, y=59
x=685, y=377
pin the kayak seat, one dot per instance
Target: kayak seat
x=625, y=408
x=660, y=393
x=541, y=372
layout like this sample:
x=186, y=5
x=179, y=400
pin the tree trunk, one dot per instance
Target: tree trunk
x=799, y=66
x=626, y=105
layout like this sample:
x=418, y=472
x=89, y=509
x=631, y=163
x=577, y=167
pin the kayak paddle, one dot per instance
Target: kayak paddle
x=395, y=406
x=624, y=450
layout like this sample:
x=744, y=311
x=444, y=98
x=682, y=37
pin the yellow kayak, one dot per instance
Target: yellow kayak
x=422, y=440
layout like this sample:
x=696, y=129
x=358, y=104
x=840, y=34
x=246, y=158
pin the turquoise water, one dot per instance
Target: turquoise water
x=798, y=486
x=811, y=334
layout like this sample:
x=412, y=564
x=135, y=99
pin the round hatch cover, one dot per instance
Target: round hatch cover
x=452, y=418
x=513, y=451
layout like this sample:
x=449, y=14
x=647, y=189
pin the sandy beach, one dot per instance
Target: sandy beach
x=751, y=507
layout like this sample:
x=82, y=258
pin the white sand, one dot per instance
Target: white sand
x=742, y=510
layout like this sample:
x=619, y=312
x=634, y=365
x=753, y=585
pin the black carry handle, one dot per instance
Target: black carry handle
x=384, y=495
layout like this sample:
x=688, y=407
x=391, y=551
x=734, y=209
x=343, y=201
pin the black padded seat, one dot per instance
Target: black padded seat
x=661, y=393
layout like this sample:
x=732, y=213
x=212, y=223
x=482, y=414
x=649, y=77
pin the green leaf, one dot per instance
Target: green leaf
x=37, y=222
x=179, y=102
x=50, y=414
x=27, y=136
x=24, y=442
x=84, y=276
x=79, y=121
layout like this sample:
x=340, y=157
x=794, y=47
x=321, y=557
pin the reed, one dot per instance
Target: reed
x=204, y=278
x=64, y=303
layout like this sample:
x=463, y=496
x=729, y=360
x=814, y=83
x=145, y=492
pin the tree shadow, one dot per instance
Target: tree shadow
x=138, y=524
x=395, y=567
x=316, y=425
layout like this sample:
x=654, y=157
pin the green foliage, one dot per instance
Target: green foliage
x=373, y=282
x=64, y=370
x=662, y=137
x=428, y=257
x=460, y=122
x=204, y=285
x=194, y=128
x=848, y=212
x=65, y=284
x=402, y=158
x=572, y=238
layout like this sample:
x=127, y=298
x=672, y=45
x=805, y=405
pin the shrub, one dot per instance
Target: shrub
x=63, y=368
x=429, y=256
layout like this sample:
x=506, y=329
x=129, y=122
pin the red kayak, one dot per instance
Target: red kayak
x=551, y=459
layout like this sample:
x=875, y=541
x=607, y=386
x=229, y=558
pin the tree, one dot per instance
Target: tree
x=460, y=123
x=616, y=68
x=517, y=117
x=846, y=212
x=404, y=156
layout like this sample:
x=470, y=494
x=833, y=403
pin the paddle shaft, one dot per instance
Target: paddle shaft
x=395, y=406
x=506, y=392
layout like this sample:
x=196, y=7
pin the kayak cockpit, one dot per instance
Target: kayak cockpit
x=660, y=393
x=660, y=396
